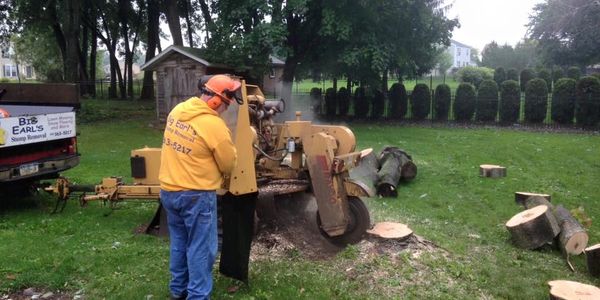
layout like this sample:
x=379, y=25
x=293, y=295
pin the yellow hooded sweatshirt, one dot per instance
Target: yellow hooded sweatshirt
x=196, y=150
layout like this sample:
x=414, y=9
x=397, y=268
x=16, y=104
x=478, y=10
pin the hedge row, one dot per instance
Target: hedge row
x=572, y=101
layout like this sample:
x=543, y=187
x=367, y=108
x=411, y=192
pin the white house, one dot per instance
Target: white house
x=461, y=54
x=9, y=66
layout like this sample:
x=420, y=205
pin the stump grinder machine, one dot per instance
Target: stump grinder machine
x=295, y=159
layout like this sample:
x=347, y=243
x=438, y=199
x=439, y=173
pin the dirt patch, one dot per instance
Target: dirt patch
x=39, y=293
x=295, y=233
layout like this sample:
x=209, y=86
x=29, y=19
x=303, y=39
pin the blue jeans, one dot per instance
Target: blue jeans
x=192, y=219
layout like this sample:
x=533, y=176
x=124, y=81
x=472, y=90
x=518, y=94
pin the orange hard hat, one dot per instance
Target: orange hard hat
x=4, y=113
x=223, y=86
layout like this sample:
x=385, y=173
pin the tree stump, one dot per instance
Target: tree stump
x=592, y=255
x=391, y=230
x=572, y=238
x=365, y=174
x=520, y=197
x=571, y=290
x=533, y=228
x=395, y=164
x=492, y=171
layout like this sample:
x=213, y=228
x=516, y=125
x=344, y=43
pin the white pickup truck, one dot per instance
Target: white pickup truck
x=38, y=137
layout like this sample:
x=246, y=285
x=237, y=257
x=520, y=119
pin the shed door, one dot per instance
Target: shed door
x=180, y=84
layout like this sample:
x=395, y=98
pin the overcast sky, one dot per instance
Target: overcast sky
x=483, y=21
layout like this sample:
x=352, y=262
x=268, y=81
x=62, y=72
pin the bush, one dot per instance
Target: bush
x=315, y=100
x=487, y=101
x=420, y=101
x=343, y=100
x=525, y=77
x=557, y=74
x=464, y=102
x=361, y=103
x=499, y=75
x=597, y=75
x=545, y=74
x=574, y=73
x=474, y=75
x=563, y=101
x=378, y=102
x=441, y=100
x=536, y=100
x=587, y=110
x=510, y=101
x=512, y=74
x=330, y=103
x=398, y=101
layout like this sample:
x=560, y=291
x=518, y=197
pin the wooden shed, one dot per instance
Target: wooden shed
x=178, y=70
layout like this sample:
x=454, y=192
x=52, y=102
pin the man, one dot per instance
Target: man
x=197, y=151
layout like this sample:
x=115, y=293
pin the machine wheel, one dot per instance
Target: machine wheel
x=357, y=226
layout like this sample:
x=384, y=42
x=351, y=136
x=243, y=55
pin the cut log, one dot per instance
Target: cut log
x=492, y=171
x=534, y=201
x=395, y=164
x=533, y=228
x=520, y=197
x=391, y=230
x=592, y=255
x=365, y=174
x=572, y=238
x=571, y=290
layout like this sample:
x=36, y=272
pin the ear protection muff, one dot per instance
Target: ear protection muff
x=214, y=102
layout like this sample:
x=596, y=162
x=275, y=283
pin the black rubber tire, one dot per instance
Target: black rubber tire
x=360, y=221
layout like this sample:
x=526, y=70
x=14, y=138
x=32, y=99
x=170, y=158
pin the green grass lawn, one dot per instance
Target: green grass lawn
x=447, y=204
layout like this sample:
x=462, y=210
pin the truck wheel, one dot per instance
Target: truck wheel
x=357, y=226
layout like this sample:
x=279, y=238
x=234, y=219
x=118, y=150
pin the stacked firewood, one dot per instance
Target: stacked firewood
x=542, y=223
x=381, y=174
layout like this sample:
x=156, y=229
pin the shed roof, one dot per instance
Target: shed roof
x=460, y=44
x=192, y=53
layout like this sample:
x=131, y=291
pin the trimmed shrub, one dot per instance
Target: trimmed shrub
x=464, y=102
x=474, y=75
x=487, y=101
x=499, y=75
x=545, y=74
x=587, y=110
x=510, y=101
x=536, y=100
x=512, y=74
x=420, y=101
x=563, y=101
x=315, y=100
x=525, y=76
x=343, y=100
x=441, y=102
x=330, y=103
x=574, y=73
x=361, y=103
x=398, y=101
x=557, y=74
x=378, y=102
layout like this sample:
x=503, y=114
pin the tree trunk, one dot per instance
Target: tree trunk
x=172, y=14
x=534, y=201
x=572, y=238
x=571, y=290
x=93, y=56
x=592, y=255
x=153, y=15
x=72, y=40
x=207, y=18
x=365, y=174
x=289, y=69
x=188, y=22
x=520, y=197
x=391, y=230
x=395, y=164
x=533, y=228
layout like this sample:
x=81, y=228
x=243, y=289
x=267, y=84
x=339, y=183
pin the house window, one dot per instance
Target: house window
x=10, y=71
x=458, y=51
x=28, y=71
x=5, y=53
